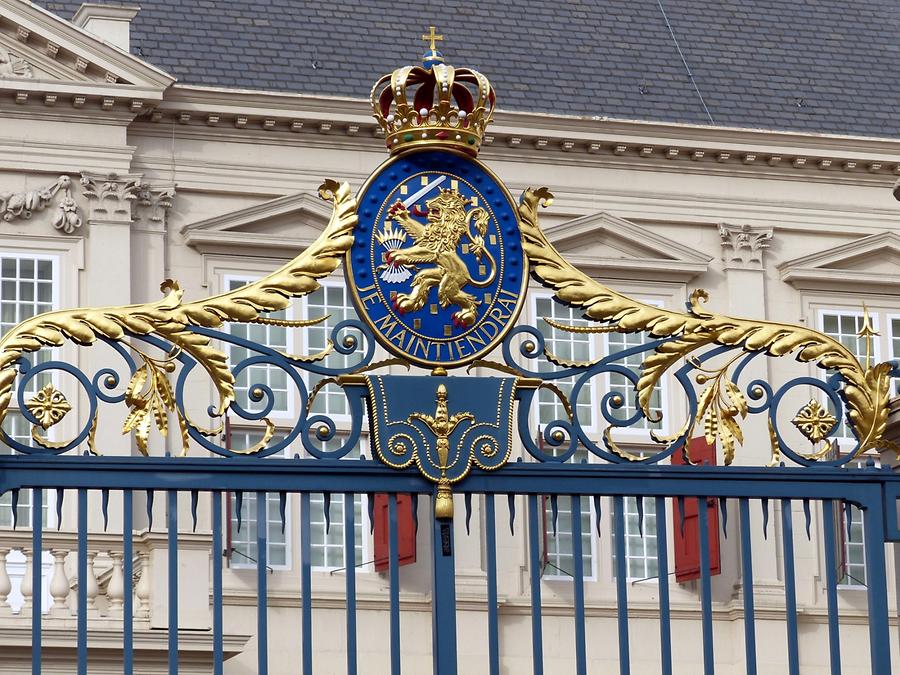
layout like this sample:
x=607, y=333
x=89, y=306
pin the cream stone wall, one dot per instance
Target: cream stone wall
x=194, y=184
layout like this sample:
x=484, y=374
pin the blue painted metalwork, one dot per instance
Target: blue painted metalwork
x=262, y=545
x=172, y=578
x=790, y=589
x=621, y=584
x=81, y=629
x=537, y=633
x=876, y=583
x=747, y=587
x=350, y=565
x=709, y=664
x=490, y=537
x=394, y=566
x=37, y=594
x=218, y=647
x=128, y=572
x=578, y=581
x=831, y=582
x=306, y=645
x=443, y=584
x=662, y=561
x=550, y=472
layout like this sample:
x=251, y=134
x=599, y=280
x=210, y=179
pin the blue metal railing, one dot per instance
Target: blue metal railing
x=872, y=490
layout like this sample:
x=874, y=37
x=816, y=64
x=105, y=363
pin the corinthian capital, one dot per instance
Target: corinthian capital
x=111, y=195
x=743, y=245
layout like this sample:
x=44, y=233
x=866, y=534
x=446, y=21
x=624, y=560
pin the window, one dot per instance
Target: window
x=327, y=538
x=275, y=337
x=568, y=346
x=558, y=558
x=243, y=544
x=854, y=553
x=617, y=342
x=330, y=300
x=845, y=326
x=640, y=548
x=27, y=288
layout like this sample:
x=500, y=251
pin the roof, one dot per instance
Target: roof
x=820, y=66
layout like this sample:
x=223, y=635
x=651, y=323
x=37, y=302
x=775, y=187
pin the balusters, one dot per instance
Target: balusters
x=142, y=591
x=115, y=590
x=92, y=588
x=27, y=586
x=5, y=583
x=59, y=584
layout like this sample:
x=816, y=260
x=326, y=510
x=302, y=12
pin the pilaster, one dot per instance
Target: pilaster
x=743, y=248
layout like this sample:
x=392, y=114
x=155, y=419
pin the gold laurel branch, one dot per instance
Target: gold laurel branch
x=289, y=323
x=563, y=399
x=569, y=328
x=567, y=363
x=493, y=365
x=384, y=363
x=171, y=319
x=866, y=390
x=616, y=448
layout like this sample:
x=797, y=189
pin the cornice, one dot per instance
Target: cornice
x=246, y=244
x=231, y=114
x=289, y=204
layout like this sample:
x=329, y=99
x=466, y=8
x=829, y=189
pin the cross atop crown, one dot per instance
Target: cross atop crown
x=432, y=37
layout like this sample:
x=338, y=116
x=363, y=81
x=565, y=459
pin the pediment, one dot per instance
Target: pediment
x=613, y=247
x=277, y=228
x=42, y=53
x=868, y=264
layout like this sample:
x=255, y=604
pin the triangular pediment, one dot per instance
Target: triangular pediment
x=868, y=264
x=42, y=53
x=614, y=247
x=275, y=228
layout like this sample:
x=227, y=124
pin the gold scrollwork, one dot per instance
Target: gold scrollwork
x=171, y=319
x=866, y=387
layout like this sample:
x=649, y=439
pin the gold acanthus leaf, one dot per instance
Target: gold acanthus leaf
x=865, y=391
x=171, y=319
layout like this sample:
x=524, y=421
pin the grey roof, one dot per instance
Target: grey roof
x=827, y=66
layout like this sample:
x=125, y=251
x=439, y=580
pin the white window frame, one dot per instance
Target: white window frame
x=590, y=386
x=554, y=575
x=821, y=312
x=244, y=564
x=291, y=403
x=628, y=577
x=641, y=433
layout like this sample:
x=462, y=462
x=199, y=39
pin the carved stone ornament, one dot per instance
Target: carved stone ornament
x=14, y=205
x=743, y=245
x=14, y=66
x=111, y=194
x=157, y=199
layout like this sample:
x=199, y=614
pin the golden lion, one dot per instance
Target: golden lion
x=437, y=243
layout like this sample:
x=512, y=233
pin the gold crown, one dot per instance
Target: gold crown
x=433, y=106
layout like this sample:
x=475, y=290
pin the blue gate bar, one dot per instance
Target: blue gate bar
x=876, y=583
x=394, y=564
x=82, y=582
x=790, y=590
x=172, y=554
x=621, y=583
x=831, y=582
x=443, y=584
x=305, y=585
x=128, y=572
x=662, y=562
x=709, y=666
x=218, y=655
x=747, y=588
x=578, y=581
x=537, y=638
x=350, y=565
x=37, y=593
x=490, y=536
x=262, y=628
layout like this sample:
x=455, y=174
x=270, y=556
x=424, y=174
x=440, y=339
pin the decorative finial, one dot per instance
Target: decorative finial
x=867, y=331
x=432, y=57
